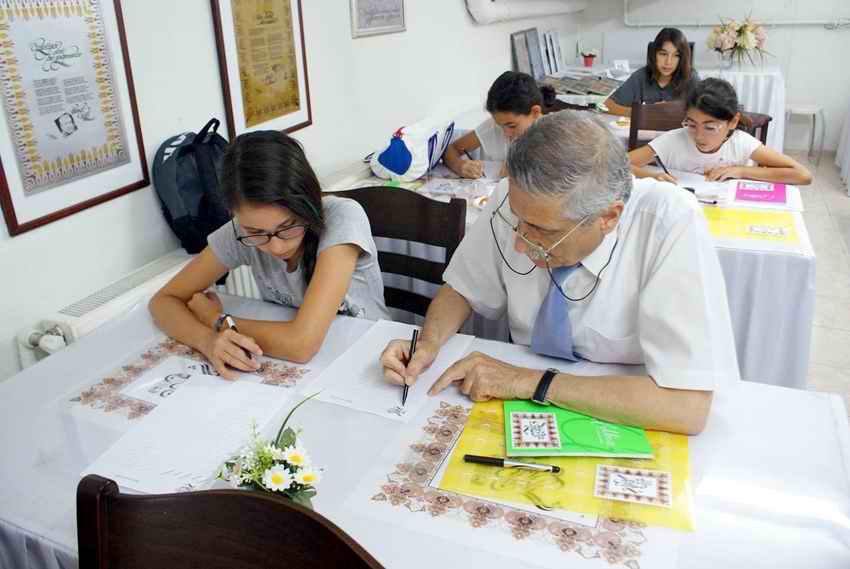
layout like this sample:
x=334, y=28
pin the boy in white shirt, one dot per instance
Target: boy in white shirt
x=514, y=102
x=710, y=143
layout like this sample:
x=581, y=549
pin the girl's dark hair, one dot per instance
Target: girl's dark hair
x=682, y=75
x=717, y=98
x=516, y=92
x=269, y=167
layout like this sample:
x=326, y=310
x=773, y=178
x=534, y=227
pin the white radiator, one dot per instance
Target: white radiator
x=240, y=282
x=78, y=319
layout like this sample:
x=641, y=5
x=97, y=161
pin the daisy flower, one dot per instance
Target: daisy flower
x=307, y=476
x=296, y=456
x=277, y=478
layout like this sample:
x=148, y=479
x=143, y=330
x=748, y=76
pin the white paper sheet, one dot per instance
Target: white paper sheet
x=356, y=378
x=724, y=192
x=492, y=169
x=181, y=444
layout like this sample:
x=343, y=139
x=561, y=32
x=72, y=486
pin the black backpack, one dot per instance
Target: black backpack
x=185, y=175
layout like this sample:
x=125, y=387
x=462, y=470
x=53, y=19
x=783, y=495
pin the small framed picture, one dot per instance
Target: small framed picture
x=373, y=17
x=263, y=64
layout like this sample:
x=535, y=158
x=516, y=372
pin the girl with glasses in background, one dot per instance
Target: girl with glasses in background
x=712, y=143
x=306, y=251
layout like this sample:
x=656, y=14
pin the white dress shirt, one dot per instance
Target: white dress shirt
x=661, y=301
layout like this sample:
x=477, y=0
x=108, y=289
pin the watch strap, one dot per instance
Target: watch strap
x=219, y=322
x=543, y=386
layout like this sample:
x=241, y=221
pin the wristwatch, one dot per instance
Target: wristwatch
x=223, y=319
x=543, y=386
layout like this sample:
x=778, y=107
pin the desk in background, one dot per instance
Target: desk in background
x=770, y=473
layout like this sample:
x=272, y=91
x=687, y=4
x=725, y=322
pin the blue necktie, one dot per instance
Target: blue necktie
x=553, y=333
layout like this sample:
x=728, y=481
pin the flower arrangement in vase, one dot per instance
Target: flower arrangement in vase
x=736, y=40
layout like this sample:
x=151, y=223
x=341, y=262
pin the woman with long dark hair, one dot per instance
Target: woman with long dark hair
x=514, y=102
x=713, y=141
x=310, y=252
x=667, y=75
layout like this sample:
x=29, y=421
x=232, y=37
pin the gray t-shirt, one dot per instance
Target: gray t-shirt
x=641, y=87
x=345, y=222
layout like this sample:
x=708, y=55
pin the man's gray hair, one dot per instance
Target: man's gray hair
x=572, y=154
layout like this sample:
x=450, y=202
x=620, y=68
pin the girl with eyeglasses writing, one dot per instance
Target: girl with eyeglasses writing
x=312, y=253
x=711, y=142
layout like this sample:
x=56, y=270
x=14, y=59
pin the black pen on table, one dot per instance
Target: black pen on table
x=508, y=463
x=409, y=359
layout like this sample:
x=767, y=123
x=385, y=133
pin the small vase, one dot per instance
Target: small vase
x=727, y=60
x=588, y=60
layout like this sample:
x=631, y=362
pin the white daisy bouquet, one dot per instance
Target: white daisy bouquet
x=737, y=40
x=282, y=466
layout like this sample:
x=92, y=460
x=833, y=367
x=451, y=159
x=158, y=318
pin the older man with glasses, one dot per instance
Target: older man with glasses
x=589, y=264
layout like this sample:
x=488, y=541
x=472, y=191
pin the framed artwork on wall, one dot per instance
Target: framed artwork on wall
x=70, y=136
x=374, y=17
x=263, y=64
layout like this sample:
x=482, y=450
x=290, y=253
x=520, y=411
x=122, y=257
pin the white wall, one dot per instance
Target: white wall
x=812, y=58
x=361, y=91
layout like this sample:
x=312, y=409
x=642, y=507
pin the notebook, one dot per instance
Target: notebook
x=546, y=430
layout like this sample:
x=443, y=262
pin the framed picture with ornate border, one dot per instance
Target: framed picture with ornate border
x=263, y=64
x=373, y=17
x=70, y=136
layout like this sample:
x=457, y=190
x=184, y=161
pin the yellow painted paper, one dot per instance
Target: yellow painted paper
x=572, y=488
x=751, y=224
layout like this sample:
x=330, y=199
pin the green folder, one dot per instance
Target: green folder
x=546, y=430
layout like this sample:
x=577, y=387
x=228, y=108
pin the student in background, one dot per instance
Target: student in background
x=666, y=76
x=514, y=102
x=313, y=253
x=711, y=143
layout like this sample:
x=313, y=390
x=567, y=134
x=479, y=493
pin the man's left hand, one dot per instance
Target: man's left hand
x=483, y=378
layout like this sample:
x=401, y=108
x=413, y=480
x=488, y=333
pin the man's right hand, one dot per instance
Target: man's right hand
x=396, y=367
x=472, y=169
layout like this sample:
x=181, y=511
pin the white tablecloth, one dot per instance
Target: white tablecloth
x=842, y=155
x=760, y=90
x=770, y=473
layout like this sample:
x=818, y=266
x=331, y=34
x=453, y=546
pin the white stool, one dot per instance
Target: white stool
x=812, y=111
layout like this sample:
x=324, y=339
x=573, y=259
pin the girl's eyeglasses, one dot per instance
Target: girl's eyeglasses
x=257, y=239
x=710, y=128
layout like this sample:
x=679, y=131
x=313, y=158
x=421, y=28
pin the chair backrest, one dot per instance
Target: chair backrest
x=401, y=214
x=659, y=116
x=649, y=51
x=210, y=529
x=760, y=123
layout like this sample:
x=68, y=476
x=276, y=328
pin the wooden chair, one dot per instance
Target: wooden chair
x=402, y=214
x=211, y=529
x=659, y=116
x=760, y=124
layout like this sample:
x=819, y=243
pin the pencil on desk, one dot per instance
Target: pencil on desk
x=409, y=359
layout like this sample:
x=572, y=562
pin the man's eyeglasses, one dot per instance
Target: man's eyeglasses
x=536, y=252
x=257, y=239
x=710, y=128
